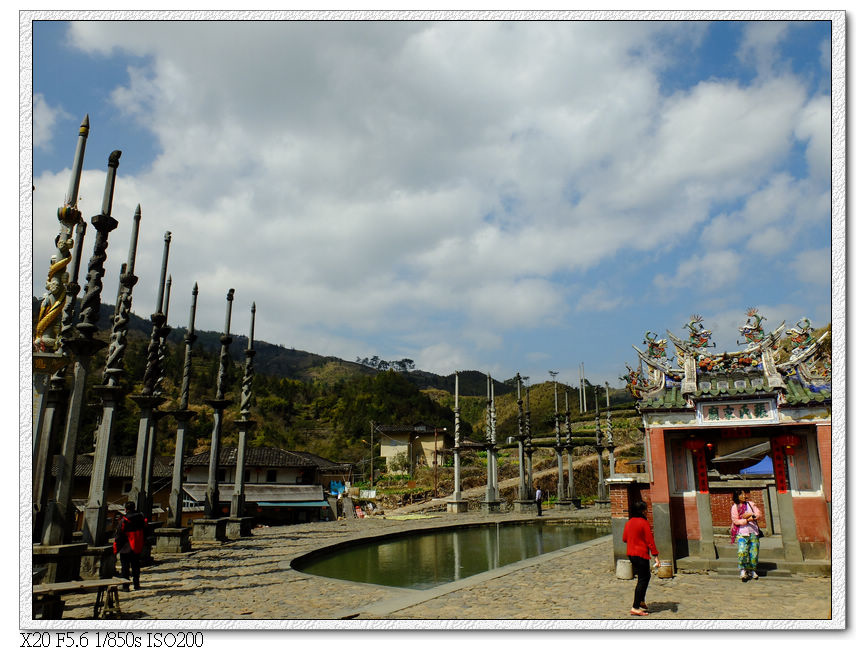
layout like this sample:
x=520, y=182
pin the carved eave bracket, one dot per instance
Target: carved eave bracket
x=687, y=357
x=767, y=352
x=657, y=375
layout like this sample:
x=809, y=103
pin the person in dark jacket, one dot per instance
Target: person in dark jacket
x=129, y=544
x=638, y=536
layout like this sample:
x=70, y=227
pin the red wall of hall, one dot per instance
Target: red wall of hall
x=684, y=518
x=659, y=490
x=812, y=519
x=824, y=448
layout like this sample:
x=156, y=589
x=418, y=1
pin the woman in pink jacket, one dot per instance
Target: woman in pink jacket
x=743, y=534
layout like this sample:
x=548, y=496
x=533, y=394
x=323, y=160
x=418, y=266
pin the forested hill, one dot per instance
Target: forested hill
x=302, y=400
x=290, y=363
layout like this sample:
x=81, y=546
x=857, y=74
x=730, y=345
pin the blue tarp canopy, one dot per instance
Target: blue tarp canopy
x=756, y=455
x=763, y=467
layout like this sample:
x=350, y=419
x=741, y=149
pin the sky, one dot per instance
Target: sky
x=508, y=197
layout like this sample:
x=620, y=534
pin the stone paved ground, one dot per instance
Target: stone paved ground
x=251, y=579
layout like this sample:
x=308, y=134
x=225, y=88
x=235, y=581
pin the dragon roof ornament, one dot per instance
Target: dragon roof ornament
x=699, y=336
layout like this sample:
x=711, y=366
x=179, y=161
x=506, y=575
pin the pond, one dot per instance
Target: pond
x=423, y=560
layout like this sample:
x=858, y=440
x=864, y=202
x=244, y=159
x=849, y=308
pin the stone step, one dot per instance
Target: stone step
x=774, y=568
x=763, y=569
x=729, y=551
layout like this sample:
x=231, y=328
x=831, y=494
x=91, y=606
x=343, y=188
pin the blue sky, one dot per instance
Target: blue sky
x=500, y=196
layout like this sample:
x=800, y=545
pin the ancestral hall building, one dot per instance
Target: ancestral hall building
x=757, y=418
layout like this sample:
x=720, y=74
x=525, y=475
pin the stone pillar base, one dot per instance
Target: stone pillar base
x=488, y=507
x=209, y=530
x=98, y=562
x=62, y=561
x=526, y=507
x=564, y=505
x=237, y=527
x=708, y=550
x=457, y=506
x=173, y=540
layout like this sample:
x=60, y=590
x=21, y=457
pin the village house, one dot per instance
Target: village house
x=280, y=486
x=421, y=444
x=747, y=419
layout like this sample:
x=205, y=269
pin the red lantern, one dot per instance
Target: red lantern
x=789, y=442
x=694, y=444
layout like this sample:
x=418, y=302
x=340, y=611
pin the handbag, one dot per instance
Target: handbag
x=759, y=530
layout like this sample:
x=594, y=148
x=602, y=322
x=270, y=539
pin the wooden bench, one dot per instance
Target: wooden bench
x=47, y=597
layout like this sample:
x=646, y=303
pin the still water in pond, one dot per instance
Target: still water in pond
x=426, y=560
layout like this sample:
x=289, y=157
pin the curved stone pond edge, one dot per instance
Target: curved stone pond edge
x=405, y=597
x=411, y=597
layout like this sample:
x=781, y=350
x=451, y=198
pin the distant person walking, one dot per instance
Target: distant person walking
x=539, y=497
x=744, y=533
x=638, y=536
x=129, y=544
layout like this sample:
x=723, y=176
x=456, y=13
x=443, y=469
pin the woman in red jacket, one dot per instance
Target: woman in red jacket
x=129, y=543
x=638, y=536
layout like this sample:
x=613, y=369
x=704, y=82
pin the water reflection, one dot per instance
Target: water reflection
x=426, y=560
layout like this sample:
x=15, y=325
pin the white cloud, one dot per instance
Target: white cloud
x=813, y=266
x=602, y=298
x=45, y=119
x=709, y=271
x=773, y=218
x=442, y=358
x=759, y=45
x=814, y=126
x=371, y=176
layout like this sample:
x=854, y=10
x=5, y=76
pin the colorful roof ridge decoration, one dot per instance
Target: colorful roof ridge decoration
x=753, y=371
x=752, y=330
x=699, y=335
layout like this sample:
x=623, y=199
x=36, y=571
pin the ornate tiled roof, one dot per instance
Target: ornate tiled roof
x=795, y=393
x=754, y=371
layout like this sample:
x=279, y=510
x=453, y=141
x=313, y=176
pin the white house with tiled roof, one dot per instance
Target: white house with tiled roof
x=279, y=484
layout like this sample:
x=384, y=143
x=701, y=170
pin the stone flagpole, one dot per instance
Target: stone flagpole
x=608, y=435
x=528, y=448
x=569, y=448
x=183, y=414
x=560, y=488
x=522, y=491
x=148, y=400
x=110, y=393
x=599, y=447
x=50, y=401
x=58, y=528
x=456, y=504
x=163, y=333
x=244, y=425
x=46, y=357
x=211, y=496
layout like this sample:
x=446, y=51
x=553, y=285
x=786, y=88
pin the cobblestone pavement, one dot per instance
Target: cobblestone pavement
x=250, y=579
